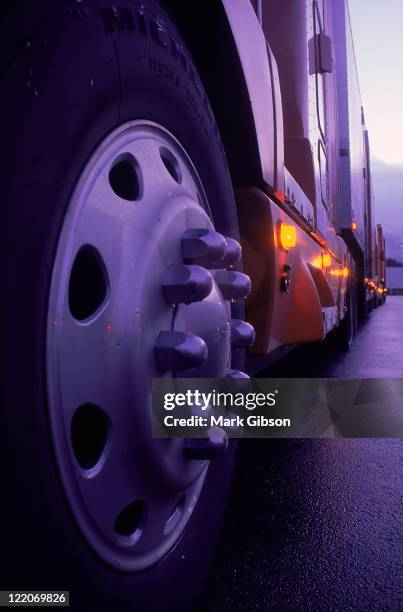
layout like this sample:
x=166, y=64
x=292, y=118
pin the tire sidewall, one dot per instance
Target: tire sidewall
x=83, y=83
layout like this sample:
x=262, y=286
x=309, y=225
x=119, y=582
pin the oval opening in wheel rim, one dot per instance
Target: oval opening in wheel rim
x=88, y=284
x=90, y=432
x=125, y=177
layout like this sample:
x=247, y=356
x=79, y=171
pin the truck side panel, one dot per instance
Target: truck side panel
x=321, y=184
x=355, y=203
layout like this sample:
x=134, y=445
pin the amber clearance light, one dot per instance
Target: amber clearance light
x=288, y=236
x=344, y=272
x=326, y=260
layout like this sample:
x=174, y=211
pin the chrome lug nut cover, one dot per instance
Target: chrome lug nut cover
x=179, y=351
x=237, y=374
x=232, y=253
x=202, y=246
x=233, y=285
x=242, y=333
x=210, y=447
x=186, y=284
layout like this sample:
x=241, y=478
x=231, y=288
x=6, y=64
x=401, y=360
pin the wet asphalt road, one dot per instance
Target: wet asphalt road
x=317, y=524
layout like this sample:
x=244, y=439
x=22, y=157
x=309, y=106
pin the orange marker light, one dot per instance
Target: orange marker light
x=280, y=196
x=354, y=226
x=345, y=272
x=288, y=236
x=326, y=260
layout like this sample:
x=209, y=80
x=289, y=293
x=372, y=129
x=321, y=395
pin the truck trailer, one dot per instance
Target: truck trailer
x=380, y=266
x=162, y=161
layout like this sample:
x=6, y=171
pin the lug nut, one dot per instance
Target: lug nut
x=180, y=351
x=240, y=381
x=232, y=253
x=242, y=333
x=206, y=448
x=186, y=284
x=202, y=246
x=233, y=285
x=237, y=374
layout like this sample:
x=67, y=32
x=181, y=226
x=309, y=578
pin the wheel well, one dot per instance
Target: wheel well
x=208, y=36
x=209, y=39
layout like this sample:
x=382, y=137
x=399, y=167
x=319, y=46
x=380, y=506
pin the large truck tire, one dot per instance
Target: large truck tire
x=110, y=153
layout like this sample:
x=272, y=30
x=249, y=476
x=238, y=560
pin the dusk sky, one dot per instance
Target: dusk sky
x=378, y=41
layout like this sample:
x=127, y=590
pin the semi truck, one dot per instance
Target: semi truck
x=380, y=266
x=162, y=161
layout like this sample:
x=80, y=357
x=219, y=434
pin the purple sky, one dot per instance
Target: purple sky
x=378, y=41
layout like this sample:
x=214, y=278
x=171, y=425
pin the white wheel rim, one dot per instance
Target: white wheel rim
x=132, y=496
